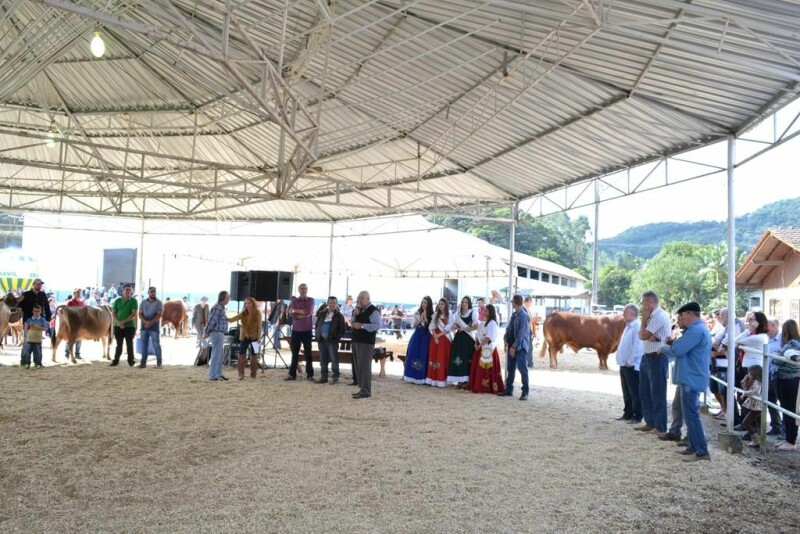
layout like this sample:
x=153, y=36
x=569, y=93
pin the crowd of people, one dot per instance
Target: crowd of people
x=698, y=345
x=460, y=348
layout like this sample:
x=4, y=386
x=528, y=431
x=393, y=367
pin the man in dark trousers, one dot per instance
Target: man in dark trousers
x=518, y=346
x=366, y=323
x=31, y=298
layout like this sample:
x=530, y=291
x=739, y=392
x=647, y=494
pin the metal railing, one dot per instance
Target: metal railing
x=766, y=356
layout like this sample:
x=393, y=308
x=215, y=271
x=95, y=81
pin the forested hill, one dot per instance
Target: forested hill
x=646, y=241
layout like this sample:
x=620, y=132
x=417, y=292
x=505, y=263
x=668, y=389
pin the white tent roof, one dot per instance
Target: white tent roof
x=204, y=109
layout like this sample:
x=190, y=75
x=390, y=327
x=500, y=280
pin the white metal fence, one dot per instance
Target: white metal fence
x=764, y=398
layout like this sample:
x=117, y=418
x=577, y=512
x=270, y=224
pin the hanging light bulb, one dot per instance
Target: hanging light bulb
x=97, y=46
x=50, y=140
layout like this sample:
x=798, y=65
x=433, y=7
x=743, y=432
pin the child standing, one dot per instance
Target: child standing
x=35, y=327
x=752, y=387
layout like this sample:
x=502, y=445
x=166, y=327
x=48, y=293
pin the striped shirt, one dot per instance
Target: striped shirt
x=660, y=326
x=217, y=319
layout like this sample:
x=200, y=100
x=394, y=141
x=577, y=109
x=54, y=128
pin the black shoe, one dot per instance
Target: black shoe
x=774, y=432
x=353, y=383
x=622, y=418
x=738, y=428
x=634, y=421
x=310, y=378
x=114, y=363
x=504, y=394
x=747, y=436
x=361, y=396
x=290, y=377
x=78, y=357
x=334, y=381
x=354, y=395
x=225, y=378
x=523, y=397
x=321, y=381
x=131, y=363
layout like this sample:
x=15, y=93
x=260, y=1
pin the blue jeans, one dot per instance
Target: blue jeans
x=632, y=405
x=690, y=405
x=328, y=352
x=653, y=390
x=36, y=349
x=519, y=362
x=77, y=349
x=147, y=335
x=276, y=336
x=217, y=339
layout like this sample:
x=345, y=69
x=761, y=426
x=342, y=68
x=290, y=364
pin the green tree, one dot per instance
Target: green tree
x=683, y=272
x=674, y=275
x=555, y=238
x=613, y=284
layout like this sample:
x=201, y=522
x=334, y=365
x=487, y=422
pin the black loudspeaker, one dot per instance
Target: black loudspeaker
x=119, y=265
x=240, y=285
x=271, y=285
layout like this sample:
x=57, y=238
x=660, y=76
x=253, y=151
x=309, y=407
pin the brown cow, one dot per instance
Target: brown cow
x=599, y=332
x=15, y=328
x=175, y=314
x=5, y=316
x=83, y=323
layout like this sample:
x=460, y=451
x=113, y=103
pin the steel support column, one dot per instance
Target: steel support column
x=731, y=284
x=511, y=243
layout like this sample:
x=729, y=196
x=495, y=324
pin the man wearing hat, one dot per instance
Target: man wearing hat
x=690, y=354
x=29, y=299
x=200, y=319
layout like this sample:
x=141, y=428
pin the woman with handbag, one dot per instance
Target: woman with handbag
x=485, y=375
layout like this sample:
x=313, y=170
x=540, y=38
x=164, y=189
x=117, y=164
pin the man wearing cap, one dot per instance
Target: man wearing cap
x=691, y=374
x=123, y=313
x=200, y=319
x=29, y=299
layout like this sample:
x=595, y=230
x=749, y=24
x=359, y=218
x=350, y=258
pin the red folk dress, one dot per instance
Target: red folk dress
x=439, y=353
x=485, y=375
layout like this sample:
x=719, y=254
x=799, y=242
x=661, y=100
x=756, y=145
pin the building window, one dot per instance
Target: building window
x=573, y=283
x=775, y=309
x=556, y=280
x=565, y=281
x=534, y=274
x=522, y=271
x=545, y=277
x=794, y=310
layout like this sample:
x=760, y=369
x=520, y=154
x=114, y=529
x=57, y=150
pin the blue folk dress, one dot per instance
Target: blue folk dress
x=416, y=366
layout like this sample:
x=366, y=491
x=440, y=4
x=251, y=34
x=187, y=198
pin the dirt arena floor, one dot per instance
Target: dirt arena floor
x=92, y=448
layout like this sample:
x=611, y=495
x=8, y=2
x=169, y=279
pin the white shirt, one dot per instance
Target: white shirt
x=755, y=341
x=419, y=319
x=463, y=325
x=660, y=326
x=438, y=323
x=489, y=330
x=630, y=348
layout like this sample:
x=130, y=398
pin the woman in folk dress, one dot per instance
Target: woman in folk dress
x=416, y=365
x=465, y=322
x=485, y=375
x=439, y=347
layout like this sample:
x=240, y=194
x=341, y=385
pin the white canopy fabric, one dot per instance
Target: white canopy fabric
x=321, y=111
